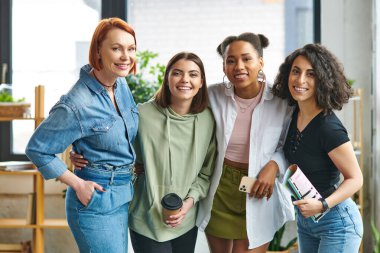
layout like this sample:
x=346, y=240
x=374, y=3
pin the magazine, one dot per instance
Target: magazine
x=300, y=187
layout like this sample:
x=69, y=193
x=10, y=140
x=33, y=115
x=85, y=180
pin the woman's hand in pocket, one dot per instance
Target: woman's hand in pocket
x=86, y=190
x=78, y=160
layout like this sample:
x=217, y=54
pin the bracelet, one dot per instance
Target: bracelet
x=324, y=205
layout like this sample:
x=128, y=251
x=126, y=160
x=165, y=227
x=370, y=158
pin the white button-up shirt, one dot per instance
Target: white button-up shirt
x=270, y=122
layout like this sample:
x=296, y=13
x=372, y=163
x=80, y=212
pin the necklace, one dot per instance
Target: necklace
x=244, y=109
x=108, y=88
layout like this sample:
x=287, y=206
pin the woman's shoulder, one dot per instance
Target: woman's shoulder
x=330, y=125
x=329, y=120
x=207, y=116
x=78, y=96
x=216, y=87
x=147, y=106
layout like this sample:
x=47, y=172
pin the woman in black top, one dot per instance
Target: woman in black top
x=313, y=81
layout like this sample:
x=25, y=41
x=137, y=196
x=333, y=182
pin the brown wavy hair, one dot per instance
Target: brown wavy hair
x=332, y=88
x=200, y=100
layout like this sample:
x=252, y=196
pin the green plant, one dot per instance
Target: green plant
x=275, y=244
x=376, y=236
x=350, y=82
x=146, y=82
x=7, y=97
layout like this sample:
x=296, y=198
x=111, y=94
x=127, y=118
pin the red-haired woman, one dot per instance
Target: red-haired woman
x=99, y=117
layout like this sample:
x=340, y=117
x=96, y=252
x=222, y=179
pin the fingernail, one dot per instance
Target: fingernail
x=104, y=189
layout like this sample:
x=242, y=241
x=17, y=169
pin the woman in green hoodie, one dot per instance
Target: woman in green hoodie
x=177, y=147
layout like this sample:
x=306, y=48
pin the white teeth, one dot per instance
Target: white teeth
x=240, y=75
x=184, y=88
x=300, y=89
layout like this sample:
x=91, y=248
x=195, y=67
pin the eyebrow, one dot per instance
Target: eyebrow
x=191, y=71
x=118, y=44
x=298, y=68
x=245, y=54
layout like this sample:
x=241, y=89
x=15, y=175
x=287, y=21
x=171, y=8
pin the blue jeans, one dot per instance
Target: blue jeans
x=339, y=231
x=102, y=225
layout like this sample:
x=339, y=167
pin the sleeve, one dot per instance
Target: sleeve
x=199, y=188
x=278, y=155
x=53, y=136
x=333, y=134
x=137, y=148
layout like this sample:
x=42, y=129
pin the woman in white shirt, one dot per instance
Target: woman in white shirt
x=251, y=128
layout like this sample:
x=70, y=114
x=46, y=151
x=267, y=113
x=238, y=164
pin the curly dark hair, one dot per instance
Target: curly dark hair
x=258, y=41
x=332, y=88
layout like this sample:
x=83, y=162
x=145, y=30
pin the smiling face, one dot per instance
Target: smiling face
x=242, y=64
x=117, y=54
x=302, y=85
x=184, y=81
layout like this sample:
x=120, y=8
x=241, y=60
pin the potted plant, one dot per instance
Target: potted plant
x=276, y=246
x=10, y=107
x=149, y=78
x=376, y=237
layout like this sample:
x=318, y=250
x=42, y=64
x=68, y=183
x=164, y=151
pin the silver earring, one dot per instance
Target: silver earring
x=228, y=85
x=261, y=76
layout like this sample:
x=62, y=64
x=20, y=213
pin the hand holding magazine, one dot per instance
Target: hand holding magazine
x=300, y=187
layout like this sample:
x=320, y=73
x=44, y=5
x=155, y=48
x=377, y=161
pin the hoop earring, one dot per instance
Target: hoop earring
x=228, y=85
x=261, y=78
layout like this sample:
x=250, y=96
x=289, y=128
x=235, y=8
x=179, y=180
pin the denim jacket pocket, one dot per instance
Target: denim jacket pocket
x=105, y=135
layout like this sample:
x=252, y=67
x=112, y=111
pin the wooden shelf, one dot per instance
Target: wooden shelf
x=54, y=223
x=19, y=172
x=38, y=189
x=357, y=141
x=15, y=223
x=14, y=118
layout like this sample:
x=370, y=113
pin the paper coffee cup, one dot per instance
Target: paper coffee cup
x=171, y=204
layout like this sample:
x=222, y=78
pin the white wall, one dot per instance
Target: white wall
x=168, y=27
x=376, y=122
x=347, y=32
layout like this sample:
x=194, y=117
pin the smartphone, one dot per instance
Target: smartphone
x=246, y=184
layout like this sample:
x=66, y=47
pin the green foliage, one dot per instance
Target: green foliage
x=7, y=97
x=149, y=78
x=376, y=237
x=275, y=244
x=350, y=82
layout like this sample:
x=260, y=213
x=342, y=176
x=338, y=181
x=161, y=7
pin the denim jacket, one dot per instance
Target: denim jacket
x=86, y=118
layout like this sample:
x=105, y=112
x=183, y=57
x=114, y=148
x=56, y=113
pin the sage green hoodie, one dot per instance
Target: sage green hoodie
x=178, y=153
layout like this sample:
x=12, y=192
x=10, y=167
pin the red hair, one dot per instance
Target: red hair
x=104, y=26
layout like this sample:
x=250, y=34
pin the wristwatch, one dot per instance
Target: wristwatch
x=324, y=205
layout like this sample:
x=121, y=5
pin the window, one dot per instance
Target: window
x=50, y=40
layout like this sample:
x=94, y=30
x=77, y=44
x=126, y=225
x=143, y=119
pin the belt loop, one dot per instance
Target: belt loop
x=112, y=176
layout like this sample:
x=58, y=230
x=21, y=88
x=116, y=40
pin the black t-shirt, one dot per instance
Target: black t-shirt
x=309, y=149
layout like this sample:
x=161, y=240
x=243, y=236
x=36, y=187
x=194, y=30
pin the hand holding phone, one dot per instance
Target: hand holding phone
x=246, y=184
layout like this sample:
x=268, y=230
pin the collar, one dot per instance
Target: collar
x=90, y=81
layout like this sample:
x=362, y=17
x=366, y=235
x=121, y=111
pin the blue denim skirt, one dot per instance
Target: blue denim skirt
x=340, y=230
x=102, y=225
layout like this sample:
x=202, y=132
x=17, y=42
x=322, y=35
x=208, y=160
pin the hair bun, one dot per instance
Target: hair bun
x=264, y=40
x=219, y=49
